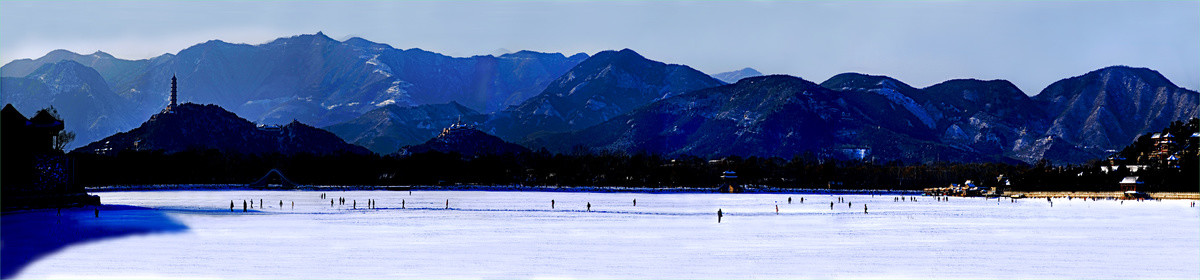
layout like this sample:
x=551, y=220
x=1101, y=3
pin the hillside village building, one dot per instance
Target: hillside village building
x=1167, y=152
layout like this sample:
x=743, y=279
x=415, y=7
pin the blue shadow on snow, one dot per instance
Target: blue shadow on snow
x=26, y=236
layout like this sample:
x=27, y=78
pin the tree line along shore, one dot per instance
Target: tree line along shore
x=1108, y=195
x=614, y=170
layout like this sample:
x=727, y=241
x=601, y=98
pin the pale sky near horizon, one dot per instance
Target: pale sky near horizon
x=1030, y=43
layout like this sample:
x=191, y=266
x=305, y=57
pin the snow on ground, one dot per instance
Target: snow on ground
x=517, y=235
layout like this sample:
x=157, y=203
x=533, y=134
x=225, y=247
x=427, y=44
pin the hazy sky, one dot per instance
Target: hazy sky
x=1029, y=43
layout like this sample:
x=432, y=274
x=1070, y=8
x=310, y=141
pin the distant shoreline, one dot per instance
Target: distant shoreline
x=611, y=189
x=598, y=189
x=1107, y=195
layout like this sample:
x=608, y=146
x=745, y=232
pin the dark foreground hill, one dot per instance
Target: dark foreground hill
x=204, y=127
x=387, y=129
x=465, y=141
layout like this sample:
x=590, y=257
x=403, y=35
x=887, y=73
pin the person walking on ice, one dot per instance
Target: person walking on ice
x=243, y=206
x=551, y=204
x=719, y=215
x=589, y=205
x=230, y=206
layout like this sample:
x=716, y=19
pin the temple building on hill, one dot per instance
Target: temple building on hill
x=455, y=127
x=1164, y=146
x=35, y=173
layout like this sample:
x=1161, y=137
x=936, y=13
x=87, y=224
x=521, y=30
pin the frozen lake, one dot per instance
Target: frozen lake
x=192, y=234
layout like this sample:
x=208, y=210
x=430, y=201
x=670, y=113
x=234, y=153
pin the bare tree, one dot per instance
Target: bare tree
x=62, y=139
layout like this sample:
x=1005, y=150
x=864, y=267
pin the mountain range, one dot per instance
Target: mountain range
x=765, y=116
x=618, y=101
x=857, y=116
x=310, y=78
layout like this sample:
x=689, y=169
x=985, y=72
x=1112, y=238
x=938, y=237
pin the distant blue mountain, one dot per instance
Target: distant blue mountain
x=604, y=86
x=736, y=75
x=77, y=92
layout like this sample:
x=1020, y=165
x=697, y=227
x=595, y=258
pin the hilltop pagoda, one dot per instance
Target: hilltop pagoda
x=174, y=95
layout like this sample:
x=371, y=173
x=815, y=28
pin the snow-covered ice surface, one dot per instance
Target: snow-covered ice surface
x=516, y=235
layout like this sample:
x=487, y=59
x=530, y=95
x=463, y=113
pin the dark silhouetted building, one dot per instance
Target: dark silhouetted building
x=35, y=174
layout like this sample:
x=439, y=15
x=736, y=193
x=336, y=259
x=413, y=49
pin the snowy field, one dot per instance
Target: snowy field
x=192, y=234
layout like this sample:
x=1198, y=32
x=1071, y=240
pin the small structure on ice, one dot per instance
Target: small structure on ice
x=729, y=183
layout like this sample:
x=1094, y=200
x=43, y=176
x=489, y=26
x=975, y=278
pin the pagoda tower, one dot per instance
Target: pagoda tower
x=173, y=96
